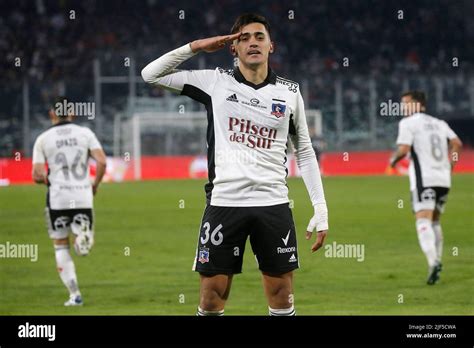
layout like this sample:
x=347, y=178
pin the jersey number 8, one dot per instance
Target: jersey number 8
x=436, y=148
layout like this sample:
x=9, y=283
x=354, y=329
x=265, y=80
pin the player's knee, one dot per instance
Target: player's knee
x=424, y=214
x=436, y=217
x=212, y=299
x=61, y=241
x=281, y=296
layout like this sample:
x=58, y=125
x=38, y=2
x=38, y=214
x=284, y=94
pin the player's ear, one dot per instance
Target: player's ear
x=232, y=50
x=51, y=114
x=272, y=47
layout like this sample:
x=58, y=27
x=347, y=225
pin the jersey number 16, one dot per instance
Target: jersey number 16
x=78, y=168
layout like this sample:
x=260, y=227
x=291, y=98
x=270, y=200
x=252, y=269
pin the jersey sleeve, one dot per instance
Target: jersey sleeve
x=449, y=132
x=304, y=152
x=405, y=134
x=93, y=142
x=38, y=152
x=162, y=72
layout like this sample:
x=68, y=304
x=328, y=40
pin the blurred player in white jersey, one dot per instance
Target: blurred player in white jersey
x=434, y=149
x=251, y=114
x=65, y=148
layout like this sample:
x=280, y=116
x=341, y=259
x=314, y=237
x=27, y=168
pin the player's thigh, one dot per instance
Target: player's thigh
x=273, y=239
x=423, y=202
x=58, y=223
x=221, y=241
x=62, y=222
x=441, y=200
x=82, y=220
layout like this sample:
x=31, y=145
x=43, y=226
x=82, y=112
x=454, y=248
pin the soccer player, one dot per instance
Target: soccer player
x=65, y=148
x=434, y=149
x=251, y=112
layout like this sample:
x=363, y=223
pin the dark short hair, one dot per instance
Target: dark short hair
x=248, y=18
x=59, y=99
x=417, y=96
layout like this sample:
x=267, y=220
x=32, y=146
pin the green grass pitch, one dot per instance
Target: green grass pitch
x=156, y=277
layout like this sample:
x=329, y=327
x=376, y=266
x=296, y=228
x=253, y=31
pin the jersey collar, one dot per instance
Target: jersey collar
x=62, y=123
x=271, y=78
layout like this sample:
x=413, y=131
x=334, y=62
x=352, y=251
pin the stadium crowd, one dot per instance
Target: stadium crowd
x=53, y=43
x=59, y=39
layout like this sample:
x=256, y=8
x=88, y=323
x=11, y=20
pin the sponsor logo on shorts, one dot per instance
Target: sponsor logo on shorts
x=285, y=240
x=203, y=255
x=286, y=250
x=292, y=258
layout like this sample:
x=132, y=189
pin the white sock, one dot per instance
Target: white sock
x=285, y=312
x=66, y=269
x=426, y=237
x=203, y=313
x=438, y=231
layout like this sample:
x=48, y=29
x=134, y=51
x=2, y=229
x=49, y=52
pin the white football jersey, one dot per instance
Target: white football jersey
x=247, y=133
x=429, y=157
x=65, y=148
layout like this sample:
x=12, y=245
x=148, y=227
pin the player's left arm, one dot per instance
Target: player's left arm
x=39, y=174
x=309, y=169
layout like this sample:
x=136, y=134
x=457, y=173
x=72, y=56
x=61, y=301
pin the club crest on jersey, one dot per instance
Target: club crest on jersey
x=203, y=255
x=278, y=110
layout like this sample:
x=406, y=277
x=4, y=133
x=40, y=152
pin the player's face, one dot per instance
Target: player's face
x=254, y=45
x=409, y=106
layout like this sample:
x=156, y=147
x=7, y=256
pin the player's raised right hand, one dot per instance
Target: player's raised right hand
x=212, y=44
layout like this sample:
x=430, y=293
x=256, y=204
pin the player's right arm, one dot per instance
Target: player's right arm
x=163, y=73
x=98, y=154
x=39, y=173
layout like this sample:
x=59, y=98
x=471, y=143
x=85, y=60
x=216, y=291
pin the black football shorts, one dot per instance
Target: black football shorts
x=224, y=232
x=429, y=198
x=59, y=221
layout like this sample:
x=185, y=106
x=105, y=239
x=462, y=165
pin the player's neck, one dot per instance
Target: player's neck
x=59, y=120
x=255, y=75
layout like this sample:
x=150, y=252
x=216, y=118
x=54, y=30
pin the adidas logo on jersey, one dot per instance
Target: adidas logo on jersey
x=292, y=258
x=232, y=98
